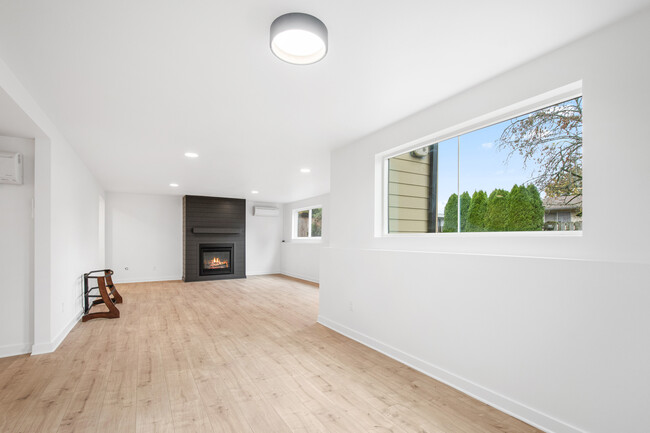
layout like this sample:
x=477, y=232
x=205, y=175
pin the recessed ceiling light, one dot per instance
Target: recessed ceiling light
x=298, y=38
x=191, y=155
x=305, y=170
x=173, y=185
x=255, y=192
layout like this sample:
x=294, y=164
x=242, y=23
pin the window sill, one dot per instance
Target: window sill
x=540, y=234
x=306, y=240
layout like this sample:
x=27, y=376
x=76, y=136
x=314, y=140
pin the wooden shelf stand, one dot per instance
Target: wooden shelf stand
x=107, y=295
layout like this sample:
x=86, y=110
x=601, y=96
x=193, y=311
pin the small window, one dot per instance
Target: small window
x=521, y=174
x=307, y=223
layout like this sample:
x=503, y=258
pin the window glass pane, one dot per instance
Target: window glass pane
x=447, y=191
x=419, y=183
x=316, y=222
x=303, y=224
x=518, y=174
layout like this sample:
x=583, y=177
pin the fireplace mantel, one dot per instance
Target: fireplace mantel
x=215, y=231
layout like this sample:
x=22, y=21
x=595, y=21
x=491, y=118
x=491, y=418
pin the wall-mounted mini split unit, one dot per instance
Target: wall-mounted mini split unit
x=266, y=211
x=11, y=168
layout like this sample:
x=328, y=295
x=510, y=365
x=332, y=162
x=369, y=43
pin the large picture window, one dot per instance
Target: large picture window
x=307, y=223
x=522, y=174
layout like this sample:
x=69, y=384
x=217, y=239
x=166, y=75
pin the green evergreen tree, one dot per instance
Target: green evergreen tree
x=520, y=210
x=465, y=202
x=537, y=218
x=450, y=224
x=476, y=213
x=496, y=214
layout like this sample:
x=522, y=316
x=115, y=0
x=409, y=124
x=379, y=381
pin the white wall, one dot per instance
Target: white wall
x=300, y=257
x=17, y=254
x=554, y=330
x=75, y=198
x=263, y=240
x=144, y=233
x=66, y=223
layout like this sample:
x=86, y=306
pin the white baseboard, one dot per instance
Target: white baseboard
x=41, y=348
x=15, y=349
x=255, y=273
x=504, y=404
x=147, y=280
x=301, y=277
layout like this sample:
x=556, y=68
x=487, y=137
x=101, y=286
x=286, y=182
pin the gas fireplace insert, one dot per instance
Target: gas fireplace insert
x=216, y=259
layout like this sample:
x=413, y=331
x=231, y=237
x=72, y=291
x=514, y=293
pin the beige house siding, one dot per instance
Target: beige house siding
x=408, y=194
x=563, y=213
x=554, y=215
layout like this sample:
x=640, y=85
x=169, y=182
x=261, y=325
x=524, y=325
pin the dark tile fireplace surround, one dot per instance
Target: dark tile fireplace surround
x=214, y=238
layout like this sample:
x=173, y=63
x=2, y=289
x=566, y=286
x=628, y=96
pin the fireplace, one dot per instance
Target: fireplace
x=214, y=233
x=216, y=259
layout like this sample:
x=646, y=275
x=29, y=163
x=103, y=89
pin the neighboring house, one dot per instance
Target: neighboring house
x=409, y=193
x=562, y=213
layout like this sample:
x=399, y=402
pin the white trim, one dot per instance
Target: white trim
x=547, y=99
x=148, y=280
x=501, y=402
x=15, y=349
x=458, y=193
x=317, y=240
x=257, y=274
x=535, y=234
x=313, y=206
x=41, y=348
x=384, y=197
x=456, y=253
x=529, y=105
x=301, y=277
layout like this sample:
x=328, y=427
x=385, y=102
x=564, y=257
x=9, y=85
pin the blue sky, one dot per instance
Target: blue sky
x=482, y=164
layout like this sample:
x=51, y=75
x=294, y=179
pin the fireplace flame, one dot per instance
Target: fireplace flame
x=217, y=263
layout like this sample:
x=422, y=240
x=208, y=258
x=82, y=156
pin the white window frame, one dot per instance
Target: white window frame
x=544, y=100
x=294, y=224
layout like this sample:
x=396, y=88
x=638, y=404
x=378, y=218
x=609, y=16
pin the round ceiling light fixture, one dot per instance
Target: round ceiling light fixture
x=298, y=38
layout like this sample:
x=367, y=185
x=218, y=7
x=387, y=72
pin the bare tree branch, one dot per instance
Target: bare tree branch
x=550, y=138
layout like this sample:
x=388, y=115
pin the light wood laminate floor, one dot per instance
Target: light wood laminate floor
x=227, y=356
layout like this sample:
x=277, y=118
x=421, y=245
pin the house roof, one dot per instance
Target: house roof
x=566, y=202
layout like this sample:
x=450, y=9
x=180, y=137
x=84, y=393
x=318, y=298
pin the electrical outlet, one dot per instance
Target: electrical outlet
x=155, y=268
x=351, y=307
x=63, y=307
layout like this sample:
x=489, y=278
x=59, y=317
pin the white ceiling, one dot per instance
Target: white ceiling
x=135, y=84
x=13, y=120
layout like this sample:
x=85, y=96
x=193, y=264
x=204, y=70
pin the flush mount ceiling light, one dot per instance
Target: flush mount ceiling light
x=305, y=170
x=255, y=192
x=191, y=155
x=298, y=38
x=173, y=185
